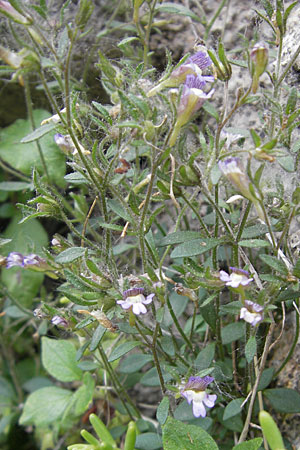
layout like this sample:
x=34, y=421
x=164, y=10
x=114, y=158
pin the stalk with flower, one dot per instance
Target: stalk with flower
x=194, y=391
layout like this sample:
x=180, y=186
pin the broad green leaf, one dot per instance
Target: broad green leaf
x=119, y=210
x=163, y=410
x=178, y=303
x=274, y=263
x=70, y=255
x=134, y=363
x=195, y=247
x=45, y=406
x=59, y=359
x=151, y=377
x=254, y=243
x=29, y=237
x=25, y=156
x=168, y=345
x=284, y=400
x=84, y=395
x=250, y=348
x=287, y=163
x=254, y=444
x=266, y=378
x=177, y=435
x=178, y=238
x=148, y=441
x=122, y=350
x=232, y=332
x=233, y=408
x=205, y=357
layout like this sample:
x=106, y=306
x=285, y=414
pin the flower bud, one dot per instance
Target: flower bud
x=259, y=56
x=271, y=431
x=8, y=10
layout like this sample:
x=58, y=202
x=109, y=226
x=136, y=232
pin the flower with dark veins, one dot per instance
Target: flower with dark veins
x=238, y=277
x=14, y=259
x=195, y=392
x=252, y=313
x=192, y=99
x=194, y=65
x=134, y=299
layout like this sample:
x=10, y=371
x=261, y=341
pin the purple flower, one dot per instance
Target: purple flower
x=195, y=392
x=192, y=66
x=191, y=100
x=59, y=321
x=17, y=259
x=14, y=259
x=67, y=146
x=238, y=277
x=252, y=313
x=134, y=298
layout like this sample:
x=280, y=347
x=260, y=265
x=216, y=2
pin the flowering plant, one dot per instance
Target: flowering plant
x=149, y=257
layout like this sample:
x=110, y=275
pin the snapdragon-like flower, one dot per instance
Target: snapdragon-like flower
x=14, y=259
x=134, y=299
x=194, y=65
x=233, y=170
x=252, y=313
x=7, y=9
x=238, y=277
x=191, y=100
x=195, y=392
x=26, y=261
x=59, y=321
x=67, y=146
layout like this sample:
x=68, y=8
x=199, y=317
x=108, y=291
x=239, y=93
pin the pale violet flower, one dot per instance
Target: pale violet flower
x=195, y=392
x=194, y=65
x=59, y=321
x=67, y=146
x=26, y=261
x=238, y=277
x=134, y=299
x=191, y=100
x=252, y=313
x=14, y=259
x=230, y=138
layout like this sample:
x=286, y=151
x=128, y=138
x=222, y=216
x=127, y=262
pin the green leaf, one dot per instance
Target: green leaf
x=233, y=408
x=133, y=363
x=205, y=357
x=14, y=186
x=254, y=243
x=253, y=444
x=284, y=400
x=232, y=332
x=250, y=349
x=84, y=395
x=168, y=345
x=29, y=237
x=69, y=255
x=119, y=210
x=287, y=163
x=211, y=110
x=151, y=377
x=177, y=9
x=122, y=350
x=97, y=336
x=59, y=359
x=254, y=231
x=178, y=238
x=275, y=263
x=45, y=406
x=195, y=247
x=163, y=410
x=148, y=441
x=177, y=435
x=24, y=157
x=266, y=378
x=256, y=139
x=38, y=133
